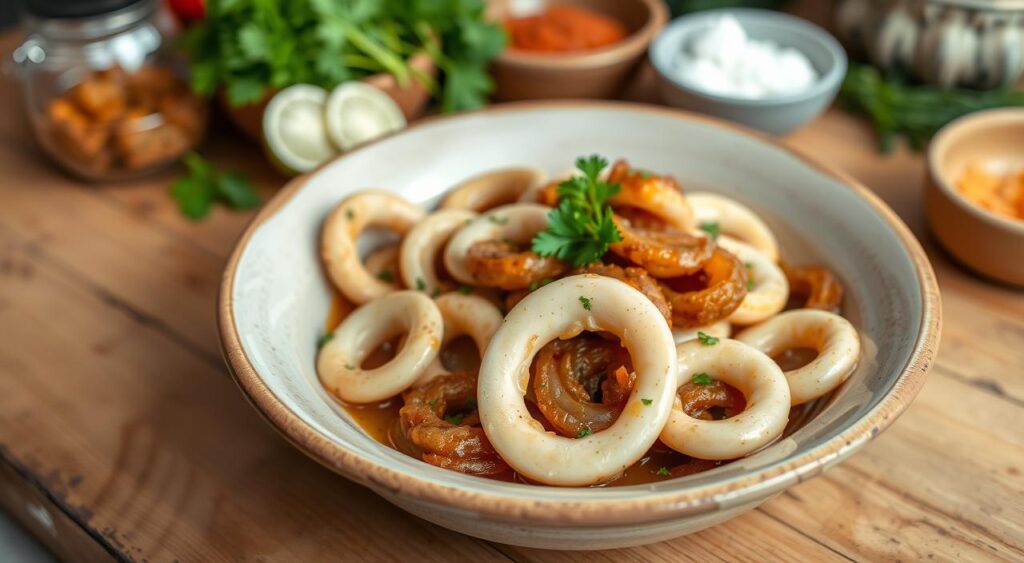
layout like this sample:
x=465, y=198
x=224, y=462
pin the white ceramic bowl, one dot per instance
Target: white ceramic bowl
x=275, y=298
x=776, y=114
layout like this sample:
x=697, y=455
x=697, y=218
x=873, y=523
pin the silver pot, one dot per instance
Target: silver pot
x=976, y=43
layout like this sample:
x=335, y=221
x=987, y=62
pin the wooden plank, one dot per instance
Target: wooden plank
x=161, y=455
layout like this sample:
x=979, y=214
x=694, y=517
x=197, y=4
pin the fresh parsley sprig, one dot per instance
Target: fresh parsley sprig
x=581, y=228
x=203, y=185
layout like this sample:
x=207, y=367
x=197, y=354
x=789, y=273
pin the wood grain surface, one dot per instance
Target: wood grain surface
x=121, y=436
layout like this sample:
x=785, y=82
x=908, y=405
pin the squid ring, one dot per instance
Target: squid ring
x=768, y=289
x=407, y=311
x=421, y=245
x=718, y=329
x=736, y=220
x=469, y=315
x=491, y=189
x=343, y=226
x=562, y=309
x=751, y=372
x=834, y=338
x=518, y=222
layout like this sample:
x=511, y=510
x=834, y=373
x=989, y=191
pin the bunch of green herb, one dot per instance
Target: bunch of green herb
x=248, y=47
x=581, y=227
x=916, y=111
x=203, y=185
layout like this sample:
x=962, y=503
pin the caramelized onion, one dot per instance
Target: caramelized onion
x=461, y=447
x=821, y=287
x=664, y=253
x=721, y=286
x=699, y=400
x=503, y=265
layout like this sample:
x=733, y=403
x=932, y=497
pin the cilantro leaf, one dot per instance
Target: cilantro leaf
x=706, y=339
x=581, y=228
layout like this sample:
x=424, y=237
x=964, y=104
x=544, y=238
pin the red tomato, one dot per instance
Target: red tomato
x=188, y=10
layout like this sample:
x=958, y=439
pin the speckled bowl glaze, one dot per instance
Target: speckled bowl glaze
x=275, y=298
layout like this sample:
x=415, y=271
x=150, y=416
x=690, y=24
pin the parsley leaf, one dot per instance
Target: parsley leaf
x=712, y=229
x=585, y=301
x=455, y=419
x=386, y=276
x=584, y=433
x=647, y=402
x=203, y=185
x=701, y=379
x=663, y=471
x=706, y=339
x=465, y=289
x=581, y=228
x=324, y=339
x=420, y=284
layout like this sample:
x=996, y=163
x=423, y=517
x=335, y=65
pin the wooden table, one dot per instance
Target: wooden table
x=121, y=435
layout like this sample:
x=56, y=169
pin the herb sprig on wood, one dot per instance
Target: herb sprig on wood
x=580, y=229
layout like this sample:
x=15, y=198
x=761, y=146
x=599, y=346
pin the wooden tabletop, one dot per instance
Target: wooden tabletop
x=122, y=436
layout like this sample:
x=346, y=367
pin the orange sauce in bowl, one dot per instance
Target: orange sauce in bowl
x=564, y=29
x=1002, y=194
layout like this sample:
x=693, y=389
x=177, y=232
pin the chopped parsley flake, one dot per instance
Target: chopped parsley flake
x=471, y=403
x=647, y=402
x=350, y=214
x=497, y=220
x=386, y=276
x=350, y=366
x=711, y=228
x=584, y=433
x=455, y=419
x=534, y=286
x=585, y=301
x=663, y=471
x=465, y=289
x=707, y=339
x=701, y=378
x=432, y=403
x=420, y=284
x=750, y=284
x=748, y=265
x=327, y=336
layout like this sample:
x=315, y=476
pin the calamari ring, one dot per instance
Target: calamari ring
x=492, y=189
x=517, y=223
x=718, y=329
x=383, y=263
x=823, y=289
x=726, y=288
x=750, y=372
x=407, y=311
x=469, y=315
x=734, y=219
x=422, y=245
x=658, y=195
x=568, y=374
x=768, y=290
x=460, y=447
x=834, y=338
x=338, y=242
x=637, y=278
x=663, y=253
x=557, y=311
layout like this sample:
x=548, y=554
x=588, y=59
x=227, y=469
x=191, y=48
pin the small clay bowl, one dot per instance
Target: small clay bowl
x=985, y=242
x=597, y=73
x=413, y=98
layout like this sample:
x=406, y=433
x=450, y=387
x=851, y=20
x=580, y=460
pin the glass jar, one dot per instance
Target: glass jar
x=105, y=96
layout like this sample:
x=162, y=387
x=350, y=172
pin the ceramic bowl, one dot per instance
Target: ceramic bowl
x=275, y=299
x=987, y=243
x=778, y=114
x=600, y=73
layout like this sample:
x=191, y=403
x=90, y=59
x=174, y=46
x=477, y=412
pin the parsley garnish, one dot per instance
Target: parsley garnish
x=581, y=227
x=465, y=289
x=584, y=433
x=420, y=284
x=707, y=339
x=432, y=403
x=327, y=336
x=585, y=301
x=204, y=185
x=455, y=419
x=647, y=402
x=701, y=379
x=534, y=286
x=386, y=276
x=711, y=228
x=350, y=366
x=497, y=220
x=663, y=471
x=750, y=284
x=748, y=265
x=349, y=214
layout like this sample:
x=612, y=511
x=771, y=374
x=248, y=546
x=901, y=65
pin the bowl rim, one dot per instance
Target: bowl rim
x=825, y=84
x=695, y=501
x=939, y=146
x=657, y=17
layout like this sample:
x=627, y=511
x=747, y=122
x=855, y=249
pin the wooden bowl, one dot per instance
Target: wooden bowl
x=413, y=98
x=598, y=73
x=275, y=298
x=985, y=242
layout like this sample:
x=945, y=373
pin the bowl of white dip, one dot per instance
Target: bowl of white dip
x=767, y=70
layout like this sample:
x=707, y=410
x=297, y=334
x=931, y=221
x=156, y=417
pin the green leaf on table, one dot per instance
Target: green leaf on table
x=236, y=191
x=203, y=185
